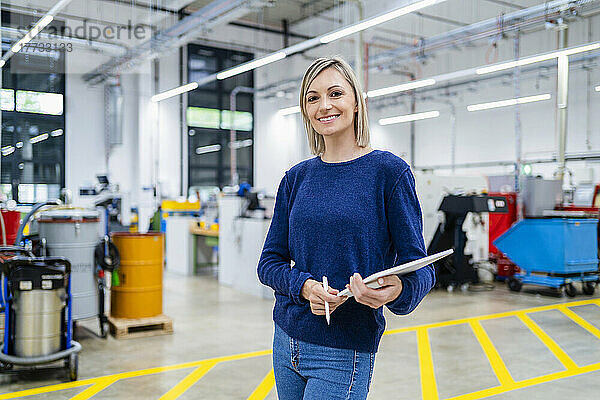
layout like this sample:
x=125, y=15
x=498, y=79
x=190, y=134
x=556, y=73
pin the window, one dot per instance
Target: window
x=33, y=121
x=209, y=119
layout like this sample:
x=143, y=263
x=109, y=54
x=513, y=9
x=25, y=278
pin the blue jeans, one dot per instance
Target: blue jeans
x=306, y=371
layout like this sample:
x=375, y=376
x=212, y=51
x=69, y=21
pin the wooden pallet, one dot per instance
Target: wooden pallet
x=124, y=328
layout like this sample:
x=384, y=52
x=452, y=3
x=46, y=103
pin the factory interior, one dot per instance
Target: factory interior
x=146, y=147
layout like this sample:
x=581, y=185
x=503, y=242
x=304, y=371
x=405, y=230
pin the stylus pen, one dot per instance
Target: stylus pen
x=326, y=287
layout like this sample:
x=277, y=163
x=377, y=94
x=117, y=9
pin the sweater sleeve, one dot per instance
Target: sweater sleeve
x=274, y=267
x=406, y=228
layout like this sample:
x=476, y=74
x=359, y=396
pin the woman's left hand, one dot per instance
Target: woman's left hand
x=391, y=287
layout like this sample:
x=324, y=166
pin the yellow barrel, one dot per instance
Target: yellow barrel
x=139, y=294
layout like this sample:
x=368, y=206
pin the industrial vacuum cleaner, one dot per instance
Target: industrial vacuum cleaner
x=36, y=295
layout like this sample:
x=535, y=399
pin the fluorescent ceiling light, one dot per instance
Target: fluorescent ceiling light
x=7, y=150
x=408, y=118
x=289, y=110
x=208, y=149
x=56, y=132
x=310, y=43
x=597, y=88
x=400, y=88
x=537, y=58
x=380, y=19
x=259, y=62
x=19, y=145
x=240, y=144
x=38, y=138
x=509, y=102
x=42, y=23
x=174, y=92
x=2, y=63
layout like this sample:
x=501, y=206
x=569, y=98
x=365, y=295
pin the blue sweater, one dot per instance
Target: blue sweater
x=335, y=219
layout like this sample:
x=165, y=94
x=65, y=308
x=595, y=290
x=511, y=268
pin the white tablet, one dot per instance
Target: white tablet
x=371, y=280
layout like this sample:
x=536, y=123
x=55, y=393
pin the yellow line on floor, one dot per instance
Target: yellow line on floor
x=149, y=371
x=485, y=393
x=488, y=347
x=264, y=388
x=558, y=352
x=428, y=384
x=46, y=389
x=188, y=381
x=94, y=389
x=580, y=321
x=491, y=316
x=131, y=374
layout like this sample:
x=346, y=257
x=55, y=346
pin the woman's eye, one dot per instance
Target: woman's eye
x=336, y=94
x=311, y=98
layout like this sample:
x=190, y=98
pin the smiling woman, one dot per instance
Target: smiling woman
x=348, y=212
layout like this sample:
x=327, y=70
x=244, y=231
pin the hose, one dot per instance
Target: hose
x=30, y=215
x=107, y=260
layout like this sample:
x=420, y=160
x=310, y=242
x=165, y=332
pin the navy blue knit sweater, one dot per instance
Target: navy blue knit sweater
x=335, y=219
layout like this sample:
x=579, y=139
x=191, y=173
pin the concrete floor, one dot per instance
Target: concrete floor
x=212, y=321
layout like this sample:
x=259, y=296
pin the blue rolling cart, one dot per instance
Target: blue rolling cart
x=553, y=252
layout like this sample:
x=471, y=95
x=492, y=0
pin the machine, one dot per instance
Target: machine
x=36, y=293
x=458, y=270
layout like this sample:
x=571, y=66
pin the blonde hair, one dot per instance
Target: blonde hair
x=361, y=123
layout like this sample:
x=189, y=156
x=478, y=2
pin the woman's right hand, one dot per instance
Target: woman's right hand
x=313, y=292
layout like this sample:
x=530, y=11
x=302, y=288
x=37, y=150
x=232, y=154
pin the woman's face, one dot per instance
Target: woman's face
x=331, y=104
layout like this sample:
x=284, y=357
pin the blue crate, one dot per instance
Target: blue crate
x=554, y=245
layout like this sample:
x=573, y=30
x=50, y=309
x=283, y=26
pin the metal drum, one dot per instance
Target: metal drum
x=39, y=322
x=139, y=294
x=73, y=233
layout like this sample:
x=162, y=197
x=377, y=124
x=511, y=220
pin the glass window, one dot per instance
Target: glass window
x=209, y=119
x=203, y=117
x=32, y=156
x=39, y=102
x=8, y=99
x=242, y=121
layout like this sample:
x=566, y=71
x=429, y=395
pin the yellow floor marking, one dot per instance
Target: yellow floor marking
x=264, y=388
x=428, y=384
x=548, y=341
x=580, y=321
x=195, y=364
x=481, y=394
x=188, y=381
x=46, y=389
x=488, y=347
x=132, y=374
x=491, y=316
x=94, y=389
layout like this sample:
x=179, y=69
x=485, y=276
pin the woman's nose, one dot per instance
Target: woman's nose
x=325, y=104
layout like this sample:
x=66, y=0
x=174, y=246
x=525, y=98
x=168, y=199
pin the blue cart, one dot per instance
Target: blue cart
x=553, y=252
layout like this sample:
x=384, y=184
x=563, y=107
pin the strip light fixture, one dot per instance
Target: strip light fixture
x=250, y=65
x=302, y=46
x=379, y=19
x=400, y=88
x=409, y=117
x=37, y=28
x=537, y=58
x=38, y=138
x=174, y=92
x=42, y=23
x=289, y=110
x=509, y=102
x=208, y=149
